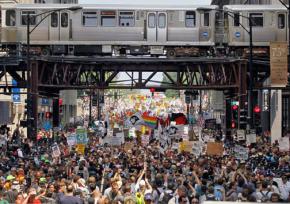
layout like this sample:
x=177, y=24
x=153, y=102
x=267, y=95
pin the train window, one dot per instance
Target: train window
x=189, y=19
x=126, y=19
x=10, y=18
x=237, y=20
x=108, y=18
x=281, y=21
x=257, y=19
x=90, y=18
x=24, y=15
x=64, y=20
x=54, y=20
x=151, y=20
x=206, y=19
x=161, y=20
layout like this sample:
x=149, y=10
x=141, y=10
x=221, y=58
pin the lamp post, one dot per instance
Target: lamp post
x=32, y=116
x=251, y=81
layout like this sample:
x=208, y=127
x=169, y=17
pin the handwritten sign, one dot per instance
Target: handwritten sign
x=214, y=148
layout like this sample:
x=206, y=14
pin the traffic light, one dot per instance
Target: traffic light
x=152, y=90
x=257, y=116
x=243, y=119
x=235, y=114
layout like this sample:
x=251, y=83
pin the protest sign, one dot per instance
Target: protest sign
x=128, y=146
x=121, y=136
x=241, y=153
x=251, y=138
x=80, y=148
x=241, y=135
x=284, y=144
x=186, y=146
x=145, y=139
x=175, y=145
x=81, y=135
x=71, y=139
x=20, y=153
x=55, y=150
x=214, y=148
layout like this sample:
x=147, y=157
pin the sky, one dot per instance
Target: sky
x=187, y=2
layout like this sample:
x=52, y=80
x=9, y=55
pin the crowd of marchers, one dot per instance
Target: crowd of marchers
x=140, y=175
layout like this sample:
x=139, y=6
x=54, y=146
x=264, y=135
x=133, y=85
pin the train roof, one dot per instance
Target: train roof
x=255, y=7
x=112, y=6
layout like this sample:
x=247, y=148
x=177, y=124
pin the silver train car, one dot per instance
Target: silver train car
x=120, y=29
x=269, y=24
x=101, y=29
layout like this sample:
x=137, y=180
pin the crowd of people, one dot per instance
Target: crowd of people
x=140, y=175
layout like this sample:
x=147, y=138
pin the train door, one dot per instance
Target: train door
x=65, y=24
x=59, y=26
x=282, y=27
x=54, y=27
x=157, y=26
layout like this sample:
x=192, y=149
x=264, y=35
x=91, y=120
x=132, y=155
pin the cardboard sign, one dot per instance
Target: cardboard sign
x=80, y=148
x=128, y=146
x=145, y=139
x=214, y=148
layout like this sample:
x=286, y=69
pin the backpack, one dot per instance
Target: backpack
x=265, y=197
x=164, y=196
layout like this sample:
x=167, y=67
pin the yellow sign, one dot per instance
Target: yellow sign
x=278, y=63
x=80, y=148
x=186, y=146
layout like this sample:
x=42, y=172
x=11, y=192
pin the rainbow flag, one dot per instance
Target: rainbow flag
x=150, y=121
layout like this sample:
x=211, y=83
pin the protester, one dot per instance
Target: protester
x=142, y=174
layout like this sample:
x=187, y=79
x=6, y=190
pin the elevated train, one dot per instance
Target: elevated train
x=112, y=29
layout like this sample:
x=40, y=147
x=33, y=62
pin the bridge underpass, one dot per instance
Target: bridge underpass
x=52, y=74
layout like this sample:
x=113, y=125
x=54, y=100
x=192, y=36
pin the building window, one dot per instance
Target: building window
x=24, y=15
x=162, y=20
x=90, y=18
x=206, y=19
x=54, y=20
x=151, y=20
x=126, y=19
x=236, y=20
x=257, y=19
x=10, y=18
x=108, y=18
x=281, y=21
x=189, y=19
x=64, y=20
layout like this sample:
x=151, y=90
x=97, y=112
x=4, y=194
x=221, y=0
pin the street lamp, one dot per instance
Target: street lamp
x=250, y=33
x=31, y=74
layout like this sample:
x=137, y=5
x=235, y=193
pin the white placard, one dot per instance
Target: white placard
x=251, y=138
x=71, y=139
x=55, y=150
x=284, y=144
x=241, y=135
